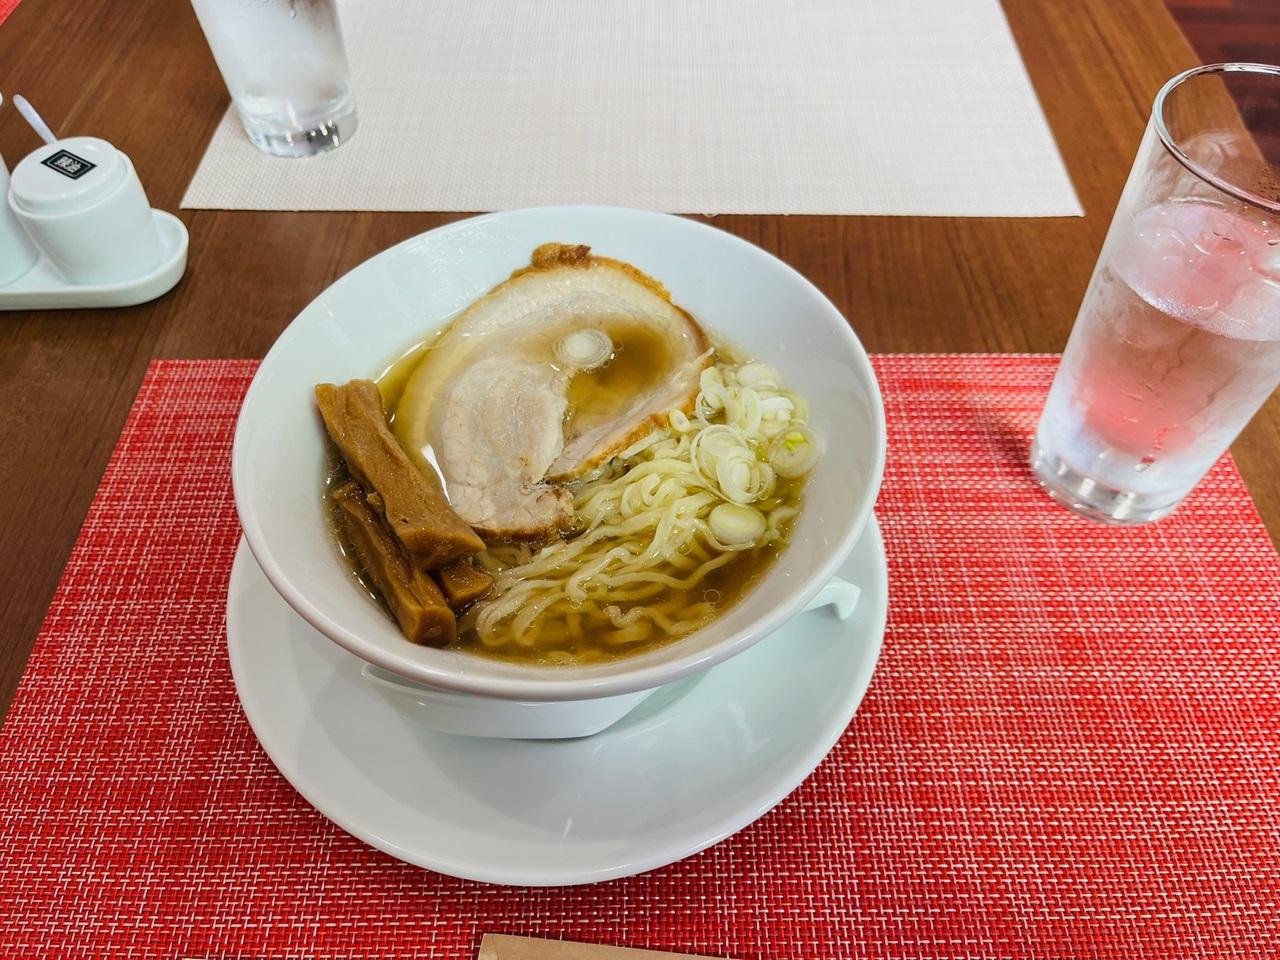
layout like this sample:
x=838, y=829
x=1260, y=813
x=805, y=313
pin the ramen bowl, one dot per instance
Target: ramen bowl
x=367, y=318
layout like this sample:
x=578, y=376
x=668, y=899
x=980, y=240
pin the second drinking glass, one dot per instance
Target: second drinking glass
x=1177, y=342
x=284, y=63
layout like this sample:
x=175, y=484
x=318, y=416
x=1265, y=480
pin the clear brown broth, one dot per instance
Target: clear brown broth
x=636, y=352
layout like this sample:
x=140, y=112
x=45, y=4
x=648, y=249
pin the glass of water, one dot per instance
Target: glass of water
x=284, y=63
x=1177, y=342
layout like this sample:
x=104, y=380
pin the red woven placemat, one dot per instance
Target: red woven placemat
x=1071, y=747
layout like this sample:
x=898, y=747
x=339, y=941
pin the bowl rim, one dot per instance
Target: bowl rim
x=547, y=687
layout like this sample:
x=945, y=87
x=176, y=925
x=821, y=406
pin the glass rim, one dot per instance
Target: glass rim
x=1171, y=145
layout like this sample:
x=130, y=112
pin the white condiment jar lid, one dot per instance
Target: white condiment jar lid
x=67, y=176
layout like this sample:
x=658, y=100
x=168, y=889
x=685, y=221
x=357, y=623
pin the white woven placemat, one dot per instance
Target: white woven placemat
x=917, y=107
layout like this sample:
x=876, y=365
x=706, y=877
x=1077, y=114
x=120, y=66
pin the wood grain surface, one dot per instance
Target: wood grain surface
x=1247, y=31
x=140, y=75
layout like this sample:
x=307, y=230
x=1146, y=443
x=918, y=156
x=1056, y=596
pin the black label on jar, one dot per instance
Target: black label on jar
x=68, y=164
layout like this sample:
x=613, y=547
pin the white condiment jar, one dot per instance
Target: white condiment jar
x=83, y=205
x=17, y=254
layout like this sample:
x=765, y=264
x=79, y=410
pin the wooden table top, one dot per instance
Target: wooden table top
x=140, y=75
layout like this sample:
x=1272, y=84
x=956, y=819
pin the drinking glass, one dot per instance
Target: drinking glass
x=1177, y=342
x=284, y=63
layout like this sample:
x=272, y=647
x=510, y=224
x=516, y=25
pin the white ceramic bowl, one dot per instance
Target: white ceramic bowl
x=368, y=317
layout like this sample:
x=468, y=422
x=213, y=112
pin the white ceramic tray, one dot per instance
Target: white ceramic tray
x=43, y=288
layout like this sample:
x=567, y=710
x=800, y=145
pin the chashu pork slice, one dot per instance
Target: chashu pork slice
x=542, y=379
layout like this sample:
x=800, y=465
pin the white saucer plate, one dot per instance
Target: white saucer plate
x=691, y=766
x=43, y=287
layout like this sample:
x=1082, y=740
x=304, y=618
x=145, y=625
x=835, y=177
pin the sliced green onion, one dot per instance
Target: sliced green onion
x=736, y=525
x=794, y=452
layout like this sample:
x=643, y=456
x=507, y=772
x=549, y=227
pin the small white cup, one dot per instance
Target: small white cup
x=17, y=254
x=82, y=203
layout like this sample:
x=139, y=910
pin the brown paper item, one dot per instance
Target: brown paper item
x=498, y=947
